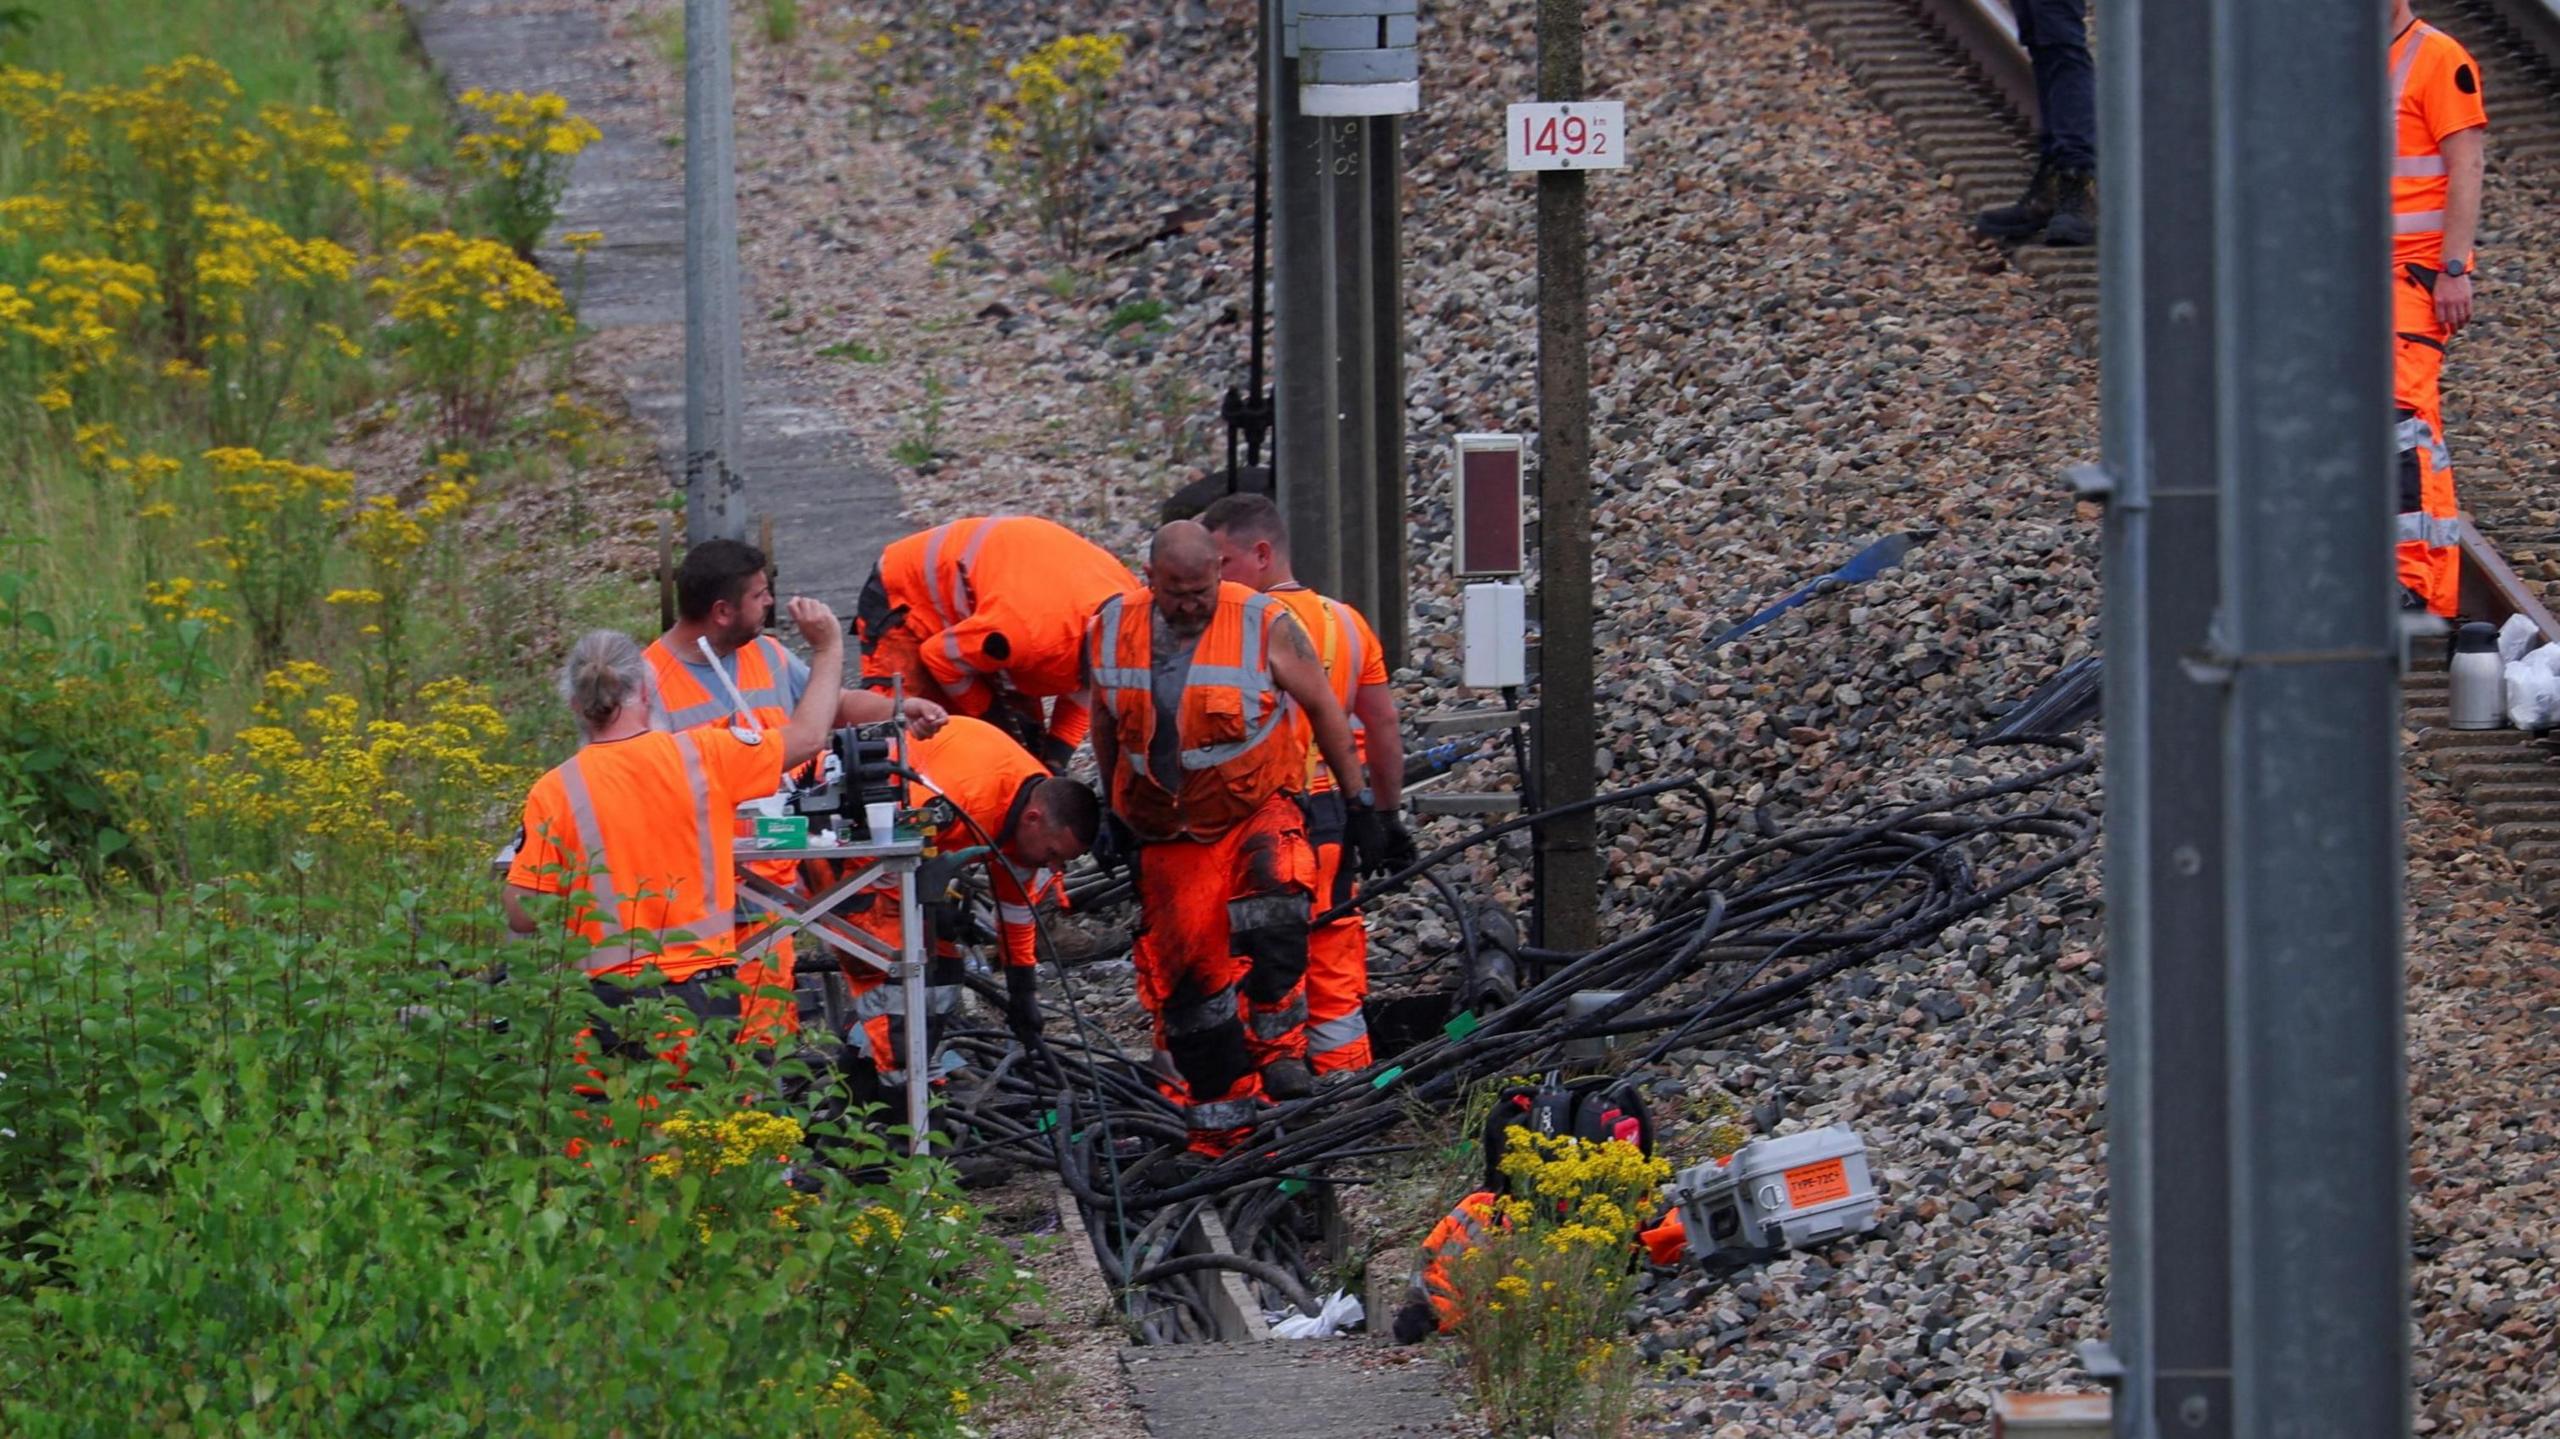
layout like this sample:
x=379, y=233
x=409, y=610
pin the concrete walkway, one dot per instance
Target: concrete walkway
x=1334, y=1388
x=831, y=510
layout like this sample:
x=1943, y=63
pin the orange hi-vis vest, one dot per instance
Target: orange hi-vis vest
x=1003, y=594
x=643, y=828
x=1241, y=741
x=1475, y=1218
x=2435, y=91
x=1352, y=657
x=989, y=778
x=764, y=674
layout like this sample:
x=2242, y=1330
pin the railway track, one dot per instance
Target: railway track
x=1951, y=74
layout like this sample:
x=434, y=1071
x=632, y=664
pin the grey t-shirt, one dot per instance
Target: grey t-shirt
x=1170, y=672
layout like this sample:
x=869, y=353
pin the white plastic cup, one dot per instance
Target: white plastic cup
x=882, y=818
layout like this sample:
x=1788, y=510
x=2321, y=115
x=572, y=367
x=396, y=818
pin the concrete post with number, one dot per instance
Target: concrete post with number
x=715, y=491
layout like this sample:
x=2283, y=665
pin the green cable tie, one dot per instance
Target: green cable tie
x=1048, y=1121
x=1387, y=1078
x=1292, y=1186
x=1465, y=1024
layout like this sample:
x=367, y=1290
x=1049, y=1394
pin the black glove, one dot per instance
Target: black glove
x=1022, y=1003
x=1364, y=838
x=1401, y=851
x=1115, y=845
x=1416, y=1322
x=1054, y=752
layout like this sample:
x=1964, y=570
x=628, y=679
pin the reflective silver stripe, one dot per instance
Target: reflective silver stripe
x=951, y=651
x=2433, y=531
x=2416, y=434
x=696, y=716
x=933, y=539
x=706, y=846
x=1327, y=1035
x=1224, y=1114
x=2416, y=167
x=2400, y=69
x=1217, y=1009
x=1352, y=659
x=1234, y=677
x=1007, y=913
x=2417, y=222
x=1277, y=1023
x=1212, y=756
x=1103, y=656
x=1257, y=615
x=890, y=1000
x=964, y=588
x=1262, y=911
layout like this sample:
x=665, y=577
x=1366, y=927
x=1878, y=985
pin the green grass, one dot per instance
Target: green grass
x=665, y=32
x=780, y=21
x=856, y=351
x=1146, y=314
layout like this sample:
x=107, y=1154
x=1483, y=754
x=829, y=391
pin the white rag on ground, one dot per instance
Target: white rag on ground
x=1340, y=1312
x=2533, y=688
x=2516, y=638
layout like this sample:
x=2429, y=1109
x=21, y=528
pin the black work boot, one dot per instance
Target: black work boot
x=2023, y=219
x=2075, y=210
x=1287, y=1078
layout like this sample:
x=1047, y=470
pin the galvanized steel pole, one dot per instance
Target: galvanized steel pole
x=715, y=492
x=1306, y=466
x=2168, y=1179
x=2318, y=1144
x=1568, y=868
x=1387, y=609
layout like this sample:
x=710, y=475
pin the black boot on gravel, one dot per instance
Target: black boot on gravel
x=2023, y=219
x=2075, y=210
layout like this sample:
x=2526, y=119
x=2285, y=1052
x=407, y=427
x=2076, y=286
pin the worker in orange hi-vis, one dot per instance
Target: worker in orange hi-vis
x=2440, y=130
x=1197, y=685
x=1253, y=545
x=1035, y=821
x=986, y=614
x=639, y=826
x=724, y=596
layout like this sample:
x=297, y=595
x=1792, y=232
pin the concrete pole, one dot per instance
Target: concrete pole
x=1568, y=867
x=1355, y=375
x=1385, y=171
x=2319, y=1124
x=715, y=492
x=1306, y=464
x=2167, y=965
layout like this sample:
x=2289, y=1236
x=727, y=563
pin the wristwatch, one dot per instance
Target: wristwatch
x=1365, y=799
x=2455, y=267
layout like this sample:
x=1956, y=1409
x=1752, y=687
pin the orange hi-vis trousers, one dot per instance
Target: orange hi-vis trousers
x=1337, y=954
x=2429, y=554
x=1222, y=962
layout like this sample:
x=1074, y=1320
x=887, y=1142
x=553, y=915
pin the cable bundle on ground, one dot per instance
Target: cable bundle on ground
x=1741, y=941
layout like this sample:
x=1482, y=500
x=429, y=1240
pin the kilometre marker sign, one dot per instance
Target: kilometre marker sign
x=1568, y=135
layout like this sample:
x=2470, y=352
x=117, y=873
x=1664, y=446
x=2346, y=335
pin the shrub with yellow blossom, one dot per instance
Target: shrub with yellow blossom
x=69, y=345
x=276, y=519
x=1043, y=135
x=262, y=298
x=1545, y=1292
x=365, y=797
x=465, y=314
x=519, y=161
x=394, y=540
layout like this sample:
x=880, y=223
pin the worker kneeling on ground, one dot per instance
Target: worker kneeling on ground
x=1196, y=684
x=724, y=598
x=1035, y=821
x=1253, y=548
x=1593, y=1111
x=987, y=615
x=639, y=825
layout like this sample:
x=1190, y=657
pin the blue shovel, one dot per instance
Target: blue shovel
x=1863, y=566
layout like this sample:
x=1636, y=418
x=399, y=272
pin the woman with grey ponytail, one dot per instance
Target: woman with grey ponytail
x=604, y=673
x=638, y=829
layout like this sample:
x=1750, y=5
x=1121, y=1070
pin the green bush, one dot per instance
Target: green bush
x=285, y=1165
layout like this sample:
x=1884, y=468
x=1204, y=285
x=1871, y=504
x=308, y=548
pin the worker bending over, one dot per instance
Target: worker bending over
x=724, y=594
x=640, y=824
x=1201, y=746
x=2440, y=137
x=1253, y=547
x=987, y=615
x=1035, y=821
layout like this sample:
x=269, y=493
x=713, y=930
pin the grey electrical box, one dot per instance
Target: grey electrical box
x=1774, y=1194
x=1355, y=57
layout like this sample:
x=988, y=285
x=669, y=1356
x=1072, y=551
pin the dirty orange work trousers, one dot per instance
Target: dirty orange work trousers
x=1337, y=974
x=2428, y=551
x=1222, y=961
